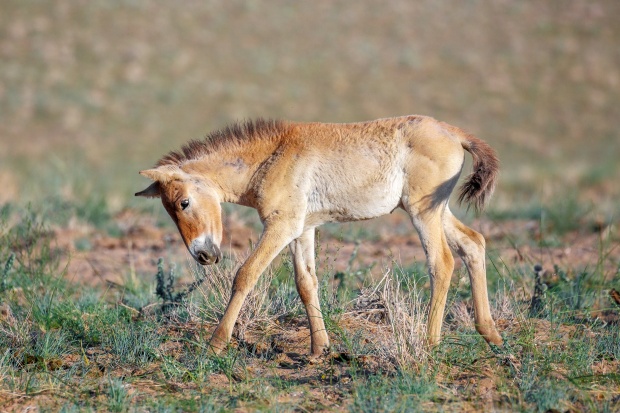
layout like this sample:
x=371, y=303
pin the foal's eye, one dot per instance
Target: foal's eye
x=184, y=203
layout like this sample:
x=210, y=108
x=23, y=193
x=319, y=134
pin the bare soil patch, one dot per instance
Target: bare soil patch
x=95, y=257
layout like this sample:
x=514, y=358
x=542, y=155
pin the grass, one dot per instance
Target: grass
x=87, y=348
x=90, y=94
x=406, y=392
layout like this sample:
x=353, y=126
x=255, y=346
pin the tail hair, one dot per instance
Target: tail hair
x=480, y=184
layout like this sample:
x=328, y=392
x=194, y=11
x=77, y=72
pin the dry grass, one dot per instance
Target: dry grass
x=90, y=347
x=92, y=92
x=406, y=311
x=262, y=307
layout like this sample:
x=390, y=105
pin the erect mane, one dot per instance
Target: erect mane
x=231, y=135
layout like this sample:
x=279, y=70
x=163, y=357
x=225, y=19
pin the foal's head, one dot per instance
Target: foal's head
x=193, y=205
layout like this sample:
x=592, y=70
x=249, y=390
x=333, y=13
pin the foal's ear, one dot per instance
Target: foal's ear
x=153, y=191
x=163, y=174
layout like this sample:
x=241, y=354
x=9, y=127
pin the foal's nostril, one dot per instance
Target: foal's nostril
x=205, y=252
x=203, y=257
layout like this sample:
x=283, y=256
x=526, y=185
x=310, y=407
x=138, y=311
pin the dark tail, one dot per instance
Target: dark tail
x=479, y=186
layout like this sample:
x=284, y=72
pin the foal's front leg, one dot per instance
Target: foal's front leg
x=306, y=281
x=275, y=237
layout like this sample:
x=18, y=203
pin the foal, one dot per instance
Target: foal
x=301, y=175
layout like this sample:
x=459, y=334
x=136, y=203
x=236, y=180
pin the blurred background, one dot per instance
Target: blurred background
x=93, y=91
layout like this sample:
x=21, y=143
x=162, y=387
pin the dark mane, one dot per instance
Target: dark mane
x=231, y=135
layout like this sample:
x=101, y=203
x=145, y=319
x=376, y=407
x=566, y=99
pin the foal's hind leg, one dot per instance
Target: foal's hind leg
x=302, y=250
x=470, y=246
x=440, y=265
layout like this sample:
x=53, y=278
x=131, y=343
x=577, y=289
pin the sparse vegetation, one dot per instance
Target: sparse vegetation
x=92, y=92
x=82, y=347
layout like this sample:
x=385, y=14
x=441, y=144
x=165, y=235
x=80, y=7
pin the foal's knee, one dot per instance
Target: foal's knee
x=242, y=282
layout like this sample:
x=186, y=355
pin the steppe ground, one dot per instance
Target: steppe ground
x=92, y=319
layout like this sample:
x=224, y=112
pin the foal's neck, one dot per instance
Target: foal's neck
x=230, y=171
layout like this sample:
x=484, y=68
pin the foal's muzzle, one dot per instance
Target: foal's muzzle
x=206, y=253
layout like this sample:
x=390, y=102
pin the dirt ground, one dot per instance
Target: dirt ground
x=95, y=257
x=280, y=351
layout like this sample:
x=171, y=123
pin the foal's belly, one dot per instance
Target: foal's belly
x=353, y=182
x=338, y=203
